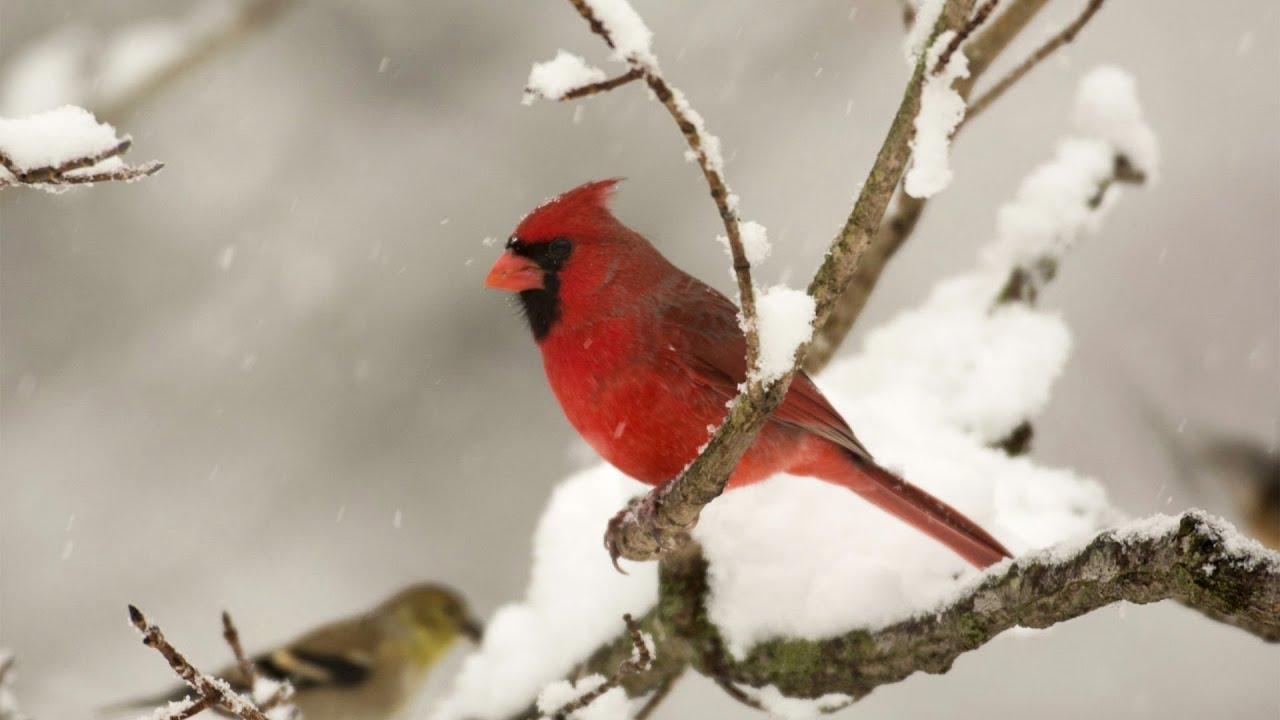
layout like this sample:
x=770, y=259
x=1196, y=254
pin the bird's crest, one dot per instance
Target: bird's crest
x=582, y=208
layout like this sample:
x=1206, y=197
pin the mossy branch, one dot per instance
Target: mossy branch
x=1195, y=559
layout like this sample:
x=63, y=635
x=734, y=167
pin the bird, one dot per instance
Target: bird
x=364, y=667
x=643, y=358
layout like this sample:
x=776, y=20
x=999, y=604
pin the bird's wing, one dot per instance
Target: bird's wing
x=338, y=655
x=703, y=325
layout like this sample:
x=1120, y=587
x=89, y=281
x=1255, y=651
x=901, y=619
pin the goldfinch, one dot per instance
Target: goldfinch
x=366, y=667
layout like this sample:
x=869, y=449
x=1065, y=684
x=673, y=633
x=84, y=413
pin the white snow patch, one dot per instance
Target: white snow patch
x=941, y=110
x=575, y=601
x=784, y=320
x=1107, y=108
x=554, y=78
x=54, y=137
x=755, y=242
x=927, y=12
x=1051, y=209
x=787, y=708
x=612, y=705
x=632, y=39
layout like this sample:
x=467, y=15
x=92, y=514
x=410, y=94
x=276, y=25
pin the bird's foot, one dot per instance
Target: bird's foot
x=640, y=532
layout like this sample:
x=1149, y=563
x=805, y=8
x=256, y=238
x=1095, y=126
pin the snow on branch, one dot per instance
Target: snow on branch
x=67, y=146
x=270, y=700
x=981, y=52
x=1195, y=559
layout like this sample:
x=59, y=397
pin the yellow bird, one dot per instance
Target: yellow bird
x=366, y=667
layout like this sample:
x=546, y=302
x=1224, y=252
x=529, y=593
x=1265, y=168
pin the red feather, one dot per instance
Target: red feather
x=644, y=357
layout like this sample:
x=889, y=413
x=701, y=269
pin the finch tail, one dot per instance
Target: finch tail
x=917, y=508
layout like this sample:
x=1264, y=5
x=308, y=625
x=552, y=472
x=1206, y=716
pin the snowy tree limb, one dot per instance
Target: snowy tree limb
x=1195, y=559
x=981, y=51
x=73, y=171
x=1026, y=281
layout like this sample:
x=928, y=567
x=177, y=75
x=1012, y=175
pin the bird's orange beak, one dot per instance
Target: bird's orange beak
x=514, y=273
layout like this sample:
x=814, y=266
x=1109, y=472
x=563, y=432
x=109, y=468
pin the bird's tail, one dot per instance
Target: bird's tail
x=918, y=509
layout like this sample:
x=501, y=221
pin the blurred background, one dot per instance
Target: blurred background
x=269, y=379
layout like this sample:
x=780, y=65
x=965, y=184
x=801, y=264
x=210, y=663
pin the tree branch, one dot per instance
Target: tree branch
x=1195, y=559
x=981, y=51
x=72, y=171
x=210, y=691
x=1063, y=37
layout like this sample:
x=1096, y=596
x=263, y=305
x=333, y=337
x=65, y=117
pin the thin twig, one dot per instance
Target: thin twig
x=232, y=636
x=1066, y=35
x=639, y=661
x=603, y=85
x=217, y=691
x=192, y=708
x=975, y=22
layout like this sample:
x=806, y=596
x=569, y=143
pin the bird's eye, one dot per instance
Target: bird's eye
x=513, y=242
x=561, y=247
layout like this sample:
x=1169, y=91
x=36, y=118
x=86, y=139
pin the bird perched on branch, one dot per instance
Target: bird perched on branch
x=643, y=358
x=366, y=667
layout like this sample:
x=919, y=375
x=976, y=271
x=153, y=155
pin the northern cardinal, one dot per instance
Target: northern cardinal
x=643, y=358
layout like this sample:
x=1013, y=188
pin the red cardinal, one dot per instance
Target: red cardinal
x=643, y=358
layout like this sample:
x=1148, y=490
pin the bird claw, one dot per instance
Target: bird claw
x=642, y=511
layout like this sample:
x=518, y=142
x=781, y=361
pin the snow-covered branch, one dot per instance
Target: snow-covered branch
x=1193, y=558
x=980, y=52
x=62, y=147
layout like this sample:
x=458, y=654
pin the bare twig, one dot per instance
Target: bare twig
x=975, y=22
x=1066, y=35
x=211, y=690
x=603, y=85
x=232, y=636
